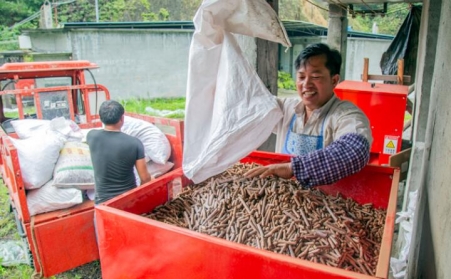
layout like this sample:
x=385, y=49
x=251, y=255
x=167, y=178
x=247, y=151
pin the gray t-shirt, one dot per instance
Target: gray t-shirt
x=113, y=156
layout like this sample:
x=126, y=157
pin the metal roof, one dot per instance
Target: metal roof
x=131, y=25
x=363, y=2
x=293, y=28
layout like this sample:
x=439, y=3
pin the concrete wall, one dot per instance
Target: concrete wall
x=51, y=41
x=357, y=49
x=438, y=179
x=136, y=63
x=133, y=63
x=429, y=173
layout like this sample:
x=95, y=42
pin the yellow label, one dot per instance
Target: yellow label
x=390, y=144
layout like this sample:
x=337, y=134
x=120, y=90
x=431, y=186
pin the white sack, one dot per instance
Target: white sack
x=67, y=127
x=74, y=167
x=155, y=170
x=229, y=111
x=26, y=128
x=37, y=157
x=156, y=144
x=49, y=198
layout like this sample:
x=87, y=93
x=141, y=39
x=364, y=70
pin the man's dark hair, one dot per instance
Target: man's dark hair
x=110, y=112
x=333, y=57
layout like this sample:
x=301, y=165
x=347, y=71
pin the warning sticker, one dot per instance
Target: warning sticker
x=390, y=145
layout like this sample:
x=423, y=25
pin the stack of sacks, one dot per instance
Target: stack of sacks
x=38, y=164
x=56, y=174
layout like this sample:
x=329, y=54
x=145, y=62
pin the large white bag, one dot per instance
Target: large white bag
x=26, y=128
x=49, y=198
x=37, y=157
x=156, y=144
x=154, y=169
x=229, y=111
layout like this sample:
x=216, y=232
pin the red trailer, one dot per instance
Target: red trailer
x=143, y=248
x=63, y=239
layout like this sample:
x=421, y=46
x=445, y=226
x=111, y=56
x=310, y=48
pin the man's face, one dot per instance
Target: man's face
x=313, y=82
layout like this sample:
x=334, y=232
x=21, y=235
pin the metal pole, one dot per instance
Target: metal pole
x=97, y=11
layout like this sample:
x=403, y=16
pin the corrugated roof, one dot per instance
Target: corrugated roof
x=294, y=28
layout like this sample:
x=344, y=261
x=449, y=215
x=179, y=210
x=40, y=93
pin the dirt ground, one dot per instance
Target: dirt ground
x=88, y=271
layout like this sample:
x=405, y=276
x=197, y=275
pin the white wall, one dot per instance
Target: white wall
x=357, y=50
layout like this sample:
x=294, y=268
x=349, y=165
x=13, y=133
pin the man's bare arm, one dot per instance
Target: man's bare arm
x=141, y=167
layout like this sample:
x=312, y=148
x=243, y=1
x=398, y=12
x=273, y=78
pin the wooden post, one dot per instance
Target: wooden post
x=366, y=63
x=337, y=32
x=267, y=68
x=268, y=58
x=400, y=79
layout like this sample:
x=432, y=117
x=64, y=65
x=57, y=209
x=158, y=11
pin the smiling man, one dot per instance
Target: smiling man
x=330, y=138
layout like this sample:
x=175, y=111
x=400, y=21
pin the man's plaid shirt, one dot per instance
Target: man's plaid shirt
x=345, y=156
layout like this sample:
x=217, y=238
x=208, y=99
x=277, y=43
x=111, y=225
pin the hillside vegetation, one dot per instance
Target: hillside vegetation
x=16, y=15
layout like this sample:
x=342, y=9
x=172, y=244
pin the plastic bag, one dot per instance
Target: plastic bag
x=229, y=111
x=13, y=252
x=404, y=46
x=398, y=263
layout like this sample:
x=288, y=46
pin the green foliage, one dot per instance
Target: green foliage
x=7, y=224
x=389, y=24
x=111, y=11
x=20, y=271
x=13, y=11
x=163, y=14
x=285, y=81
x=305, y=11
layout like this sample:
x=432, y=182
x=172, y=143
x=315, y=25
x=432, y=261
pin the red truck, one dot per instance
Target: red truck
x=63, y=239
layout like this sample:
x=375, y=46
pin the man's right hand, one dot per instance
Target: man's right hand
x=281, y=170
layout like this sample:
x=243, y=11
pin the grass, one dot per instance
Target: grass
x=8, y=231
x=15, y=114
x=160, y=104
x=135, y=105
